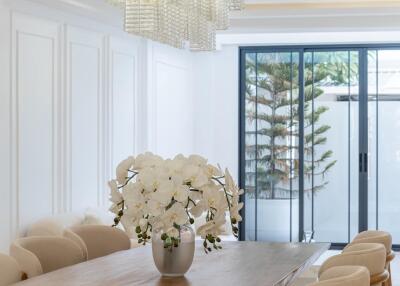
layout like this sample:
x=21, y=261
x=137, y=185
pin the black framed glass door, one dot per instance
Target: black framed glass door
x=271, y=135
x=331, y=144
x=383, y=140
x=311, y=123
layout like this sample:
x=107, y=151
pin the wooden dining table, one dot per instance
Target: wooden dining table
x=238, y=263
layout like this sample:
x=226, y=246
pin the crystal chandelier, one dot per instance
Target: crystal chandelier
x=178, y=23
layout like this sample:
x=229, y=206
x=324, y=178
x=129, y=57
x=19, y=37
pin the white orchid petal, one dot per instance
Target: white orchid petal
x=167, y=192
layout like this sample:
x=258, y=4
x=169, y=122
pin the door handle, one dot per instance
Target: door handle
x=360, y=162
x=365, y=162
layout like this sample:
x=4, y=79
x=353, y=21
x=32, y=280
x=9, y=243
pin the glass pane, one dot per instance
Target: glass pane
x=372, y=138
x=250, y=148
x=384, y=140
x=331, y=145
x=272, y=146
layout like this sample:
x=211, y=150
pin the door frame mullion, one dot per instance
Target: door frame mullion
x=363, y=140
x=301, y=144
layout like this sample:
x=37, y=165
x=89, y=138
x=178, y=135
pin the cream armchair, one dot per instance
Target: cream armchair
x=370, y=255
x=38, y=255
x=374, y=236
x=10, y=271
x=55, y=225
x=378, y=236
x=344, y=276
x=98, y=240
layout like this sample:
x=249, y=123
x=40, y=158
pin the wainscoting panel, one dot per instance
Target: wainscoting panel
x=72, y=105
x=84, y=98
x=122, y=98
x=170, y=101
x=34, y=113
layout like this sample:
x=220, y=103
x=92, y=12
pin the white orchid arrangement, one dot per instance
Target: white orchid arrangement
x=151, y=193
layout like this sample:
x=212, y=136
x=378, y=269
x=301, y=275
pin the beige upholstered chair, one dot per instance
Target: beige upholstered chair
x=10, y=271
x=374, y=236
x=38, y=255
x=344, y=276
x=378, y=236
x=370, y=255
x=98, y=240
x=55, y=225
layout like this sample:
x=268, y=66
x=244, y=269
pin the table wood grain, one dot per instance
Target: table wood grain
x=238, y=263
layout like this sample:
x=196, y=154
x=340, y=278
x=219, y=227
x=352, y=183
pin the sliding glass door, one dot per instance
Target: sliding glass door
x=319, y=148
x=384, y=140
x=271, y=145
x=331, y=140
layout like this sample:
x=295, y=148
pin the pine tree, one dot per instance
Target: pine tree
x=272, y=103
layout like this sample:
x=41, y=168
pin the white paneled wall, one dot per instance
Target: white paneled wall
x=216, y=106
x=69, y=112
x=34, y=105
x=123, y=81
x=84, y=125
x=5, y=130
x=170, y=101
x=76, y=97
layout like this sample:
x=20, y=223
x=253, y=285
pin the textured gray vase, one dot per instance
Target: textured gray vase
x=175, y=262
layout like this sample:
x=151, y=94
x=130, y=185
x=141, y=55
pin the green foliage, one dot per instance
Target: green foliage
x=272, y=101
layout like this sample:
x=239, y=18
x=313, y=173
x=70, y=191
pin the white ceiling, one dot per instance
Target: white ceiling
x=316, y=15
x=276, y=16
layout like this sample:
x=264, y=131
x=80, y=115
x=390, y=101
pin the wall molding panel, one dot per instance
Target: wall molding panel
x=34, y=105
x=170, y=101
x=68, y=92
x=77, y=95
x=123, y=110
x=84, y=112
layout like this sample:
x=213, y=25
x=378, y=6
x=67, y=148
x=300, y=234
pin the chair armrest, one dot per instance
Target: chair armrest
x=379, y=278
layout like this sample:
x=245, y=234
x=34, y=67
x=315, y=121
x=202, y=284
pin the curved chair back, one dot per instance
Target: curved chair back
x=370, y=255
x=45, y=227
x=10, y=271
x=374, y=236
x=37, y=255
x=344, y=276
x=378, y=236
x=98, y=240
